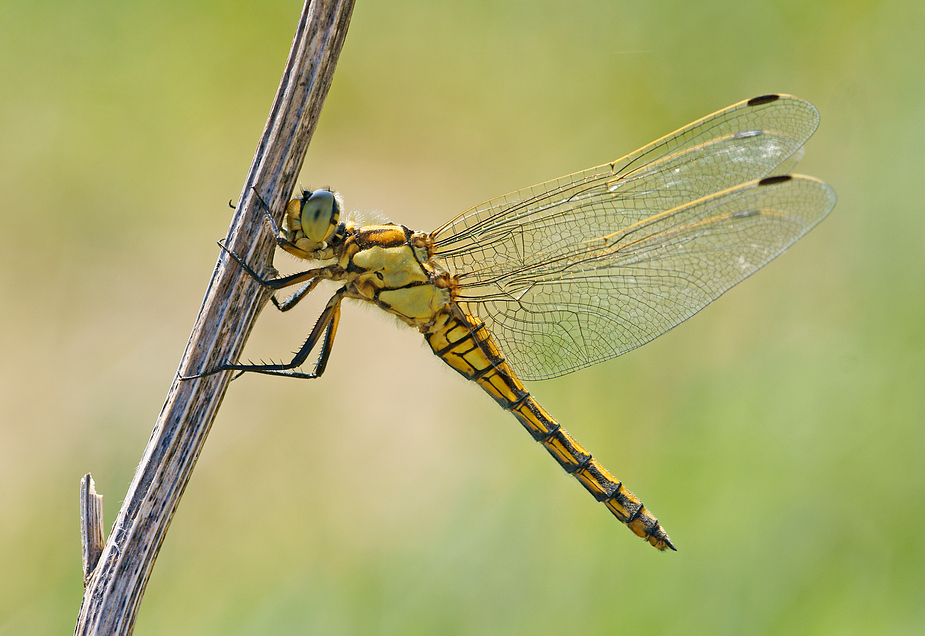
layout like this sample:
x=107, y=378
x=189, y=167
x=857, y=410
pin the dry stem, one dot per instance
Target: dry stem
x=115, y=586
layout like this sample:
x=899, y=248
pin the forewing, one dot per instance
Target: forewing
x=745, y=141
x=584, y=268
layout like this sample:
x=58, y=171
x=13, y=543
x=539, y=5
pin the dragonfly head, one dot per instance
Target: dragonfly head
x=312, y=218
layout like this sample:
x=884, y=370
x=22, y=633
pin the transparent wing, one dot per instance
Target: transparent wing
x=581, y=269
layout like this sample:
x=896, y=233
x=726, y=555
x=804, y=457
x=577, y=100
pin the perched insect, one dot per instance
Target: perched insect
x=568, y=273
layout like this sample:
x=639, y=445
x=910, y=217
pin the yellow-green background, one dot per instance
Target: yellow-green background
x=778, y=436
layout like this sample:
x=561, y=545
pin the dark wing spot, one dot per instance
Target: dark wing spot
x=774, y=180
x=763, y=99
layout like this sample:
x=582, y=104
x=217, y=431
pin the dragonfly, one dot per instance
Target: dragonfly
x=568, y=273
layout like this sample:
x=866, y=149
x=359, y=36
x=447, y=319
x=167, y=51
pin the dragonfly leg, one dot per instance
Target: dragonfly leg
x=313, y=276
x=325, y=329
x=268, y=216
x=282, y=281
x=293, y=300
x=281, y=242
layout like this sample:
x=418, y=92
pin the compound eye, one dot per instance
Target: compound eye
x=320, y=215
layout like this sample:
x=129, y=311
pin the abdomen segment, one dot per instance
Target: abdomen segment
x=464, y=343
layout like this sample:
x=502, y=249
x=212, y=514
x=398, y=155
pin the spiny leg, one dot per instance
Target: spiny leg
x=326, y=323
x=266, y=211
x=294, y=299
x=268, y=217
x=326, y=326
x=313, y=276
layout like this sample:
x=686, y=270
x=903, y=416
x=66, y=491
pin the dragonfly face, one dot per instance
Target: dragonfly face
x=574, y=271
x=310, y=221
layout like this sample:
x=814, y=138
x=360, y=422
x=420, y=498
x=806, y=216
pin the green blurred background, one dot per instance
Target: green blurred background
x=778, y=436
